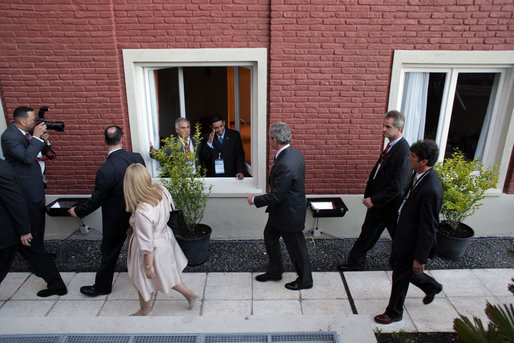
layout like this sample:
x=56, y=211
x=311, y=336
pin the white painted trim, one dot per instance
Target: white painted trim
x=499, y=150
x=135, y=60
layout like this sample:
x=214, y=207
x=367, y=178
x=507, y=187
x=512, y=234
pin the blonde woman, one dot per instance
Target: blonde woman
x=155, y=260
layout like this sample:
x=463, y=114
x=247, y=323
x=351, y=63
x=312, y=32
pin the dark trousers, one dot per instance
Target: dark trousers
x=296, y=247
x=110, y=249
x=38, y=260
x=402, y=276
x=374, y=224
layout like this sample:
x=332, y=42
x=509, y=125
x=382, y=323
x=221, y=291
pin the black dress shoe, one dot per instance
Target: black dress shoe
x=268, y=277
x=385, y=319
x=296, y=285
x=349, y=268
x=430, y=296
x=90, y=291
x=48, y=292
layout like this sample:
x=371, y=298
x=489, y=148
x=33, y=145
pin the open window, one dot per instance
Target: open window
x=163, y=85
x=461, y=100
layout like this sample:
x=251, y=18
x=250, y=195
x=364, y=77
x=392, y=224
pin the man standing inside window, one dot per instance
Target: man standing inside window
x=223, y=152
x=415, y=235
x=382, y=196
x=187, y=143
x=286, y=207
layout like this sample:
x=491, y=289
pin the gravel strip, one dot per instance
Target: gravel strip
x=250, y=256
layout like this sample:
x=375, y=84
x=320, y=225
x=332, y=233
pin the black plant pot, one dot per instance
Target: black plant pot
x=453, y=248
x=196, y=249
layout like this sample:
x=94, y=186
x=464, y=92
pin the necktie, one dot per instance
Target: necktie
x=220, y=139
x=27, y=136
x=186, y=149
x=384, y=153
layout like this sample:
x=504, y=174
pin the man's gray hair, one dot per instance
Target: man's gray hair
x=179, y=120
x=281, y=131
x=399, y=118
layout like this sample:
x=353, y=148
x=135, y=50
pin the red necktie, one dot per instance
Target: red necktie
x=384, y=153
x=27, y=136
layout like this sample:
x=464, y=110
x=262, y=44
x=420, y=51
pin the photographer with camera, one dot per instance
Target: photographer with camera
x=21, y=150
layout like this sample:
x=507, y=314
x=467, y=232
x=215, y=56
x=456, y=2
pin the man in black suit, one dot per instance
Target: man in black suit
x=286, y=207
x=21, y=149
x=414, y=239
x=15, y=229
x=382, y=196
x=223, y=151
x=108, y=193
x=183, y=130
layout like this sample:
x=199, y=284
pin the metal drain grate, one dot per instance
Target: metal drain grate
x=286, y=337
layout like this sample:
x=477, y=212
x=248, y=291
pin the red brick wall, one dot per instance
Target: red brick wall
x=329, y=68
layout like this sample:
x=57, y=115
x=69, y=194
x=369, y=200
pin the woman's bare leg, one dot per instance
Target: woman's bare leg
x=144, y=306
x=187, y=293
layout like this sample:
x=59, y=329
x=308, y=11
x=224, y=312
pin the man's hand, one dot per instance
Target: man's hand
x=211, y=136
x=240, y=176
x=418, y=267
x=152, y=148
x=45, y=136
x=367, y=202
x=39, y=130
x=250, y=199
x=72, y=213
x=25, y=239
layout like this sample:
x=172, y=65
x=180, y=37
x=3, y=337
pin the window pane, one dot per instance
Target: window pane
x=470, y=106
x=435, y=95
x=169, y=106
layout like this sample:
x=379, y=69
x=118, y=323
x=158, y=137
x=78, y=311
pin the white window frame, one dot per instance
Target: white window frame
x=501, y=131
x=138, y=61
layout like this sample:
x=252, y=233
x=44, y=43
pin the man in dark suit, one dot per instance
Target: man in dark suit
x=15, y=229
x=108, y=193
x=286, y=207
x=223, y=151
x=21, y=149
x=415, y=236
x=183, y=130
x=382, y=196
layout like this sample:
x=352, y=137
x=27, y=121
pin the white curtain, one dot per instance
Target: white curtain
x=414, y=105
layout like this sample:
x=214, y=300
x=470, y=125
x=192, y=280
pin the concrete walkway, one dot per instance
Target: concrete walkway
x=235, y=302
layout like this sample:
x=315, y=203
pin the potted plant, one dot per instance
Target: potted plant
x=183, y=177
x=464, y=185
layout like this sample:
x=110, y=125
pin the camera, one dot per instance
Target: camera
x=50, y=125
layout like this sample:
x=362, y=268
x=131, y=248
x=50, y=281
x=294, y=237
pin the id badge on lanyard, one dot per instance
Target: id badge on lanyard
x=219, y=165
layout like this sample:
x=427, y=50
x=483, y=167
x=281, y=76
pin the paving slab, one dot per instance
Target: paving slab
x=174, y=308
x=227, y=307
x=11, y=284
x=79, y=280
x=193, y=281
x=371, y=307
x=327, y=285
x=274, y=289
x=26, y=308
x=437, y=316
x=365, y=285
x=471, y=306
x=334, y=307
x=277, y=307
x=460, y=283
x=228, y=286
x=496, y=280
x=76, y=308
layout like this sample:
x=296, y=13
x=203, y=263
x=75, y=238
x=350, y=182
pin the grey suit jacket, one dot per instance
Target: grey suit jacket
x=21, y=155
x=286, y=201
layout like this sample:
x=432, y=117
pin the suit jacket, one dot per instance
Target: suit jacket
x=415, y=234
x=286, y=201
x=108, y=192
x=232, y=154
x=14, y=213
x=21, y=154
x=387, y=188
x=182, y=149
